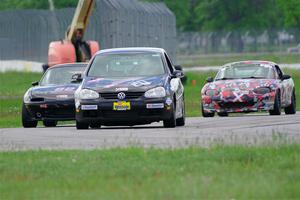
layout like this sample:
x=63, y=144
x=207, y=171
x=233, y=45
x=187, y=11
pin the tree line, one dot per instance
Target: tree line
x=215, y=15
x=207, y=15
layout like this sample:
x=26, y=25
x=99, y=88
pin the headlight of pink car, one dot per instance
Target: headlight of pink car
x=211, y=92
x=262, y=90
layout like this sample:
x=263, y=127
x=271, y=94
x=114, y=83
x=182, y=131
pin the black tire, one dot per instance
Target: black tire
x=204, y=114
x=82, y=126
x=181, y=121
x=95, y=125
x=49, y=123
x=277, y=105
x=223, y=114
x=171, y=123
x=291, y=109
x=27, y=121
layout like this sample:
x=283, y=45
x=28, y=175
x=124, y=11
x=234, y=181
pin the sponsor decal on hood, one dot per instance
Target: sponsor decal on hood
x=123, y=84
x=60, y=92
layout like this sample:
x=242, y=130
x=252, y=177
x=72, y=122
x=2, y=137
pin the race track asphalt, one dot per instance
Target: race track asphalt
x=258, y=129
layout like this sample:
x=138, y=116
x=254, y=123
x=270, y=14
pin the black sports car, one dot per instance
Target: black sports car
x=130, y=86
x=52, y=99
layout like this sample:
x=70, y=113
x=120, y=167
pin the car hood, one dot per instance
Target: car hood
x=133, y=84
x=58, y=92
x=242, y=84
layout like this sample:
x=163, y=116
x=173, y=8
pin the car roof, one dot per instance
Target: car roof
x=250, y=62
x=83, y=64
x=132, y=49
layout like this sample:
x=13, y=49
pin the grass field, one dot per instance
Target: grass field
x=216, y=173
x=14, y=84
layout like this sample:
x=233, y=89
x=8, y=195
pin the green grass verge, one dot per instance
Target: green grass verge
x=14, y=84
x=193, y=92
x=216, y=173
x=218, y=60
x=10, y=112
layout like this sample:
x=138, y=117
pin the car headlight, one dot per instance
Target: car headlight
x=158, y=92
x=262, y=90
x=86, y=94
x=27, y=96
x=210, y=92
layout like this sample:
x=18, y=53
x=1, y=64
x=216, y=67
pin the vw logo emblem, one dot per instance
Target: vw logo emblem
x=121, y=95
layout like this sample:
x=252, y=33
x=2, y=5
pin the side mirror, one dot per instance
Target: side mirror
x=285, y=77
x=178, y=67
x=35, y=83
x=209, y=80
x=76, y=78
x=184, y=77
x=177, y=74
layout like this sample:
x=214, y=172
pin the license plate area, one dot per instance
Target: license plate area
x=89, y=107
x=121, y=106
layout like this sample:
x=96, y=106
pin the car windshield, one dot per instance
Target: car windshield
x=127, y=65
x=60, y=75
x=245, y=71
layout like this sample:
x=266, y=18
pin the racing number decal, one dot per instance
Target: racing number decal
x=140, y=83
x=238, y=97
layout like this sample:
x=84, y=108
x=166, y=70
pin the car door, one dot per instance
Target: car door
x=176, y=87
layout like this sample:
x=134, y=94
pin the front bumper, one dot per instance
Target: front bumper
x=238, y=103
x=138, y=113
x=52, y=110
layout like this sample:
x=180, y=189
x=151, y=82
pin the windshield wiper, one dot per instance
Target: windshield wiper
x=254, y=77
x=224, y=78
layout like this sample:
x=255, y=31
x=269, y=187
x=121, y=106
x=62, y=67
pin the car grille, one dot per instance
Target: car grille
x=129, y=95
x=236, y=105
x=60, y=111
x=122, y=115
x=37, y=99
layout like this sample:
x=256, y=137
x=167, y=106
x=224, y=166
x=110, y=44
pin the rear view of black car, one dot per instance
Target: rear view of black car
x=130, y=86
x=52, y=99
